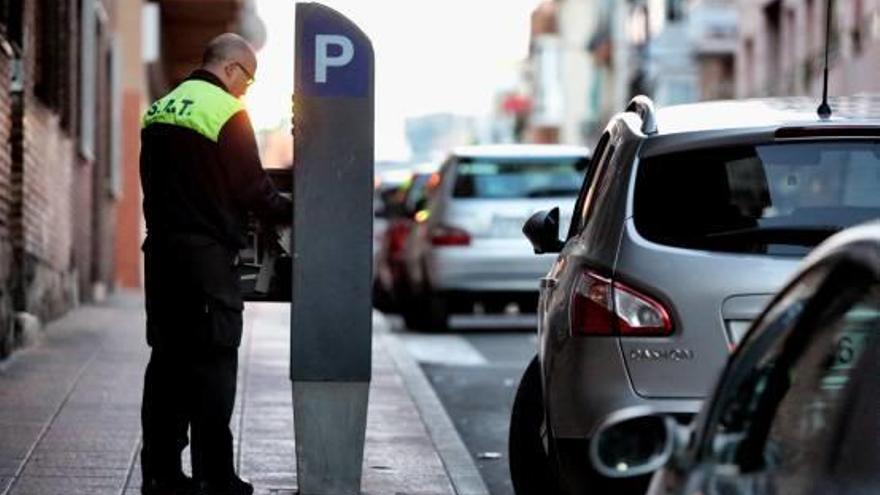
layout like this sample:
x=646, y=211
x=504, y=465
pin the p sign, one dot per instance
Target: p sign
x=323, y=59
x=334, y=61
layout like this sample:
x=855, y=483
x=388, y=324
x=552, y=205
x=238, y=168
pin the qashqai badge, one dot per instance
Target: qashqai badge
x=649, y=354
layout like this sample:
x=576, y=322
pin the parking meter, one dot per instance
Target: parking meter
x=331, y=313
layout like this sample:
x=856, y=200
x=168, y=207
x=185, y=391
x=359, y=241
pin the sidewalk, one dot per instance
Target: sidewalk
x=70, y=424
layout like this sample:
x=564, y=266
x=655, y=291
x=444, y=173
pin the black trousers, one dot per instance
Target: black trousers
x=195, y=390
x=194, y=326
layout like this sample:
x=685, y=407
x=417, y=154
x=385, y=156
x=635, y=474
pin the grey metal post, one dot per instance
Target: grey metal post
x=331, y=319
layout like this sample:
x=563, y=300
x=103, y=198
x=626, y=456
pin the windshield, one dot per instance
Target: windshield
x=768, y=199
x=498, y=179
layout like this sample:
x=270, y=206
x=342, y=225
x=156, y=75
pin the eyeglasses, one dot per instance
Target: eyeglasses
x=250, y=77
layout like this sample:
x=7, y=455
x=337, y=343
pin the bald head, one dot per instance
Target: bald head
x=231, y=58
x=227, y=46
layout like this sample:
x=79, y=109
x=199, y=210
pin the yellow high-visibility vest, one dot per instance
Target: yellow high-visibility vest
x=197, y=105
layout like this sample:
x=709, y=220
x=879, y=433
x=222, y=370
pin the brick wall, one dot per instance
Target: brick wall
x=57, y=214
x=43, y=193
x=5, y=208
x=47, y=212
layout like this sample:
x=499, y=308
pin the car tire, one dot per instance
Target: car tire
x=437, y=309
x=382, y=300
x=413, y=315
x=531, y=467
x=565, y=468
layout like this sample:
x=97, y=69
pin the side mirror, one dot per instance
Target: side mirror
x=633, y=447
x=542, y=230
x=421, y=204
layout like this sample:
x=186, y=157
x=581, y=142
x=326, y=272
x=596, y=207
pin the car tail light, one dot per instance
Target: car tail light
x=638, y=315
x=444, y=235
x=397, y=235
x=602, y=307
x=592, y=306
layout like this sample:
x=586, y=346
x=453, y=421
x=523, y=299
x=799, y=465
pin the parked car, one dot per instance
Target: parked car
x=467, y=246
x=385, y=196
x=389, y=282
x=797, y=409
x=688, y=221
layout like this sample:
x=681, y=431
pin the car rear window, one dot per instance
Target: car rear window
x=499, y=179
x=779, y=199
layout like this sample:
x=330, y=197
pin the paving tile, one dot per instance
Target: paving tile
x=84, y=381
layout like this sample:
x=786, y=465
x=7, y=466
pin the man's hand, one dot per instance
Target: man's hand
x=285, y=238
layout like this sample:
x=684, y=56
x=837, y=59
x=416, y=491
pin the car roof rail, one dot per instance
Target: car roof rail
x=642, y=106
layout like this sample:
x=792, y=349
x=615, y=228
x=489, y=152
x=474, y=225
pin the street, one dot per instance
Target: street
x=475, y=369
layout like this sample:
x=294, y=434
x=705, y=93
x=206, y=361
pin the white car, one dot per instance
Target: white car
x=468, y=246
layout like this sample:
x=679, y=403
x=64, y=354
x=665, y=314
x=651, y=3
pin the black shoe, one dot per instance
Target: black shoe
x=182, y=485
x=235, y=486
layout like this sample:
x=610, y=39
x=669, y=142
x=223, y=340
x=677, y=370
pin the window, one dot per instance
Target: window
x=773, y=24
x=11, y=12
x=857, y=28
x=675, y=10
x=520, y=178
x=582, y=206
x=748, y=66
x=87, y=78
x=55, y=58
x=803, y=422
x=775, y=199
x=779, y=403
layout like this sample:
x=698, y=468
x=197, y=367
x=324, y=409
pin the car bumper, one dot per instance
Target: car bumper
x=579, y=401
x=487, y=267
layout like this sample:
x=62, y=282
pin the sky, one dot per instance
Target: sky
x=431, y=56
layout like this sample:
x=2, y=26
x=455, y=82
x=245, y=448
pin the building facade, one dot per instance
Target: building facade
x=73, y=83
x=57, y=159
x=589, y=57
x=782, y=46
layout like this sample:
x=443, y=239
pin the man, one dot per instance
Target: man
x=201, y=175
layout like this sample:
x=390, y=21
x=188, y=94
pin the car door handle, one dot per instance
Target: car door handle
x=548, y=282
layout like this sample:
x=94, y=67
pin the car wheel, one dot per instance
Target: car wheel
x=531, y=467
x=437, y=307
x=413, y=315
x=565, y=468
x=382, y=299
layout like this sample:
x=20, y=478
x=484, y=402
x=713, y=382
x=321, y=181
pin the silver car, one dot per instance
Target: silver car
x=467, y=246
x=689, y=220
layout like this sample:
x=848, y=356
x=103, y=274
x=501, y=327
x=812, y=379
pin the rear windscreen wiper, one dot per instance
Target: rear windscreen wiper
x=802, y=235
x=548, y=192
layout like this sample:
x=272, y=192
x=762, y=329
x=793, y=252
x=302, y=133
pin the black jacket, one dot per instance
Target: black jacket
x=195, y=186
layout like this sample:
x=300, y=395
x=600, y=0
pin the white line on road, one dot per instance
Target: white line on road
x=452, y=350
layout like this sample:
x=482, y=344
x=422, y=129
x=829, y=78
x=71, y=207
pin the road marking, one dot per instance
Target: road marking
x=452, y=350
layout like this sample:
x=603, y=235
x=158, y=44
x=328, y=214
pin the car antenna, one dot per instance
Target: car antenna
x=824, y=109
